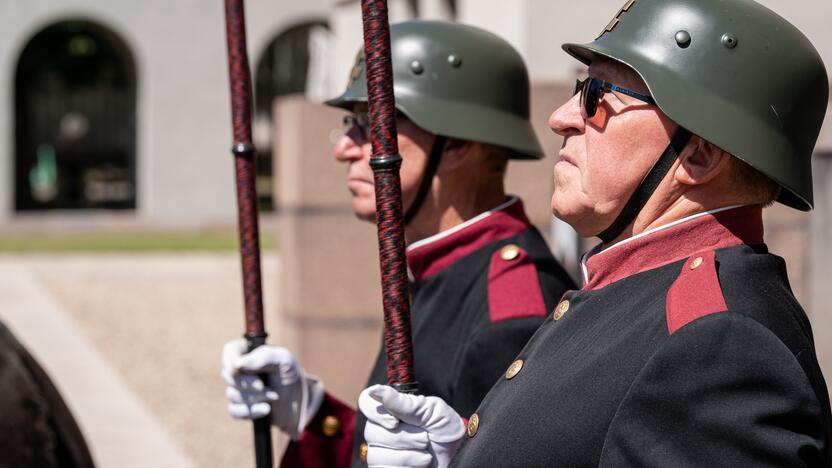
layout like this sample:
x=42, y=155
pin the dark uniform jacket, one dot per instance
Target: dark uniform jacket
x=480, y=290
x=685, y=347
x=36, y=428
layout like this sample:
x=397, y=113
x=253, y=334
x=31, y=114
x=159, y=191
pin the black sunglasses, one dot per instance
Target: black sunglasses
x=592, y=89
x=361, y=121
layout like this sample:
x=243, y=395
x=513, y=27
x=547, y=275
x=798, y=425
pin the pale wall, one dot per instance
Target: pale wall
x=185, y=171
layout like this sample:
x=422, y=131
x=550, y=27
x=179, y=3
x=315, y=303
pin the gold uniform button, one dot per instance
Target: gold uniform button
x=696, y=263
x=514, y=369
x=473, y=425
x=561, y=309
x=363, y=452
x=331, y=426
x=510, y=252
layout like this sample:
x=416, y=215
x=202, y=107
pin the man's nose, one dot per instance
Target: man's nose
x=567, y=119
x=348, y=148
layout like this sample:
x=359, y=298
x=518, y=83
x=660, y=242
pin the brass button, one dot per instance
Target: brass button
x=473, y=425
x=697, y=262
x=514, y=369
x=331, y=426
x=561, y=309
x=510, y=252
x=363, y=452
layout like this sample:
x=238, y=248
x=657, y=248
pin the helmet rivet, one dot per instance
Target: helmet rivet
x=454, y=61
x=683, y=39
x=417, y=67
x=729, y=40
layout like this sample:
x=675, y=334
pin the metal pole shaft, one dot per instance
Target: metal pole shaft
x=243, y=150
x=386, y=162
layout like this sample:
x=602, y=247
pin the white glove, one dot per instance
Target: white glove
x=291, y=396
x=408, y=430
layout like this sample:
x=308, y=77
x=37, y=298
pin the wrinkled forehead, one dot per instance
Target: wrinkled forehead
x=617, y=73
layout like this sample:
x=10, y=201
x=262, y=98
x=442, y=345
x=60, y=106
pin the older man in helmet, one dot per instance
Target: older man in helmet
x=685, y=346
x=483, y=279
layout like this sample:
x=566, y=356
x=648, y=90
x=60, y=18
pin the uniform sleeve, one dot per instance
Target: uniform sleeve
x=722, y=391
x=487, y=357
x=327, y=440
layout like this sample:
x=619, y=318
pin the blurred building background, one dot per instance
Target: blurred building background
x=114, y=119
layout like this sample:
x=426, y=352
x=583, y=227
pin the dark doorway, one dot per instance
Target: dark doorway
x=288, y=65
x=75, y=120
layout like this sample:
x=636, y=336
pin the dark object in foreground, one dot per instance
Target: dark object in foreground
x=386, y=162
x=37, y=429
x=243, y=150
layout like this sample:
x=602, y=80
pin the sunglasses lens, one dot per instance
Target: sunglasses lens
x=586, y=99
x=592, y=93
x=579, y=85
x=354, y=122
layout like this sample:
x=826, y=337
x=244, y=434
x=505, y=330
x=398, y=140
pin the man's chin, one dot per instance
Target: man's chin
x=559, y=209
x=364, y=211
x=572, y=214
x=578, y=220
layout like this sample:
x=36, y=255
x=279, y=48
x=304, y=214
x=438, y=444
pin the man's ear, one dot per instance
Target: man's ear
x=456, y=154
x=701, y=162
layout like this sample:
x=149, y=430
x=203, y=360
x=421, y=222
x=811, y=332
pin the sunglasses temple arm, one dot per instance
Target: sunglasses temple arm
x=633, y=94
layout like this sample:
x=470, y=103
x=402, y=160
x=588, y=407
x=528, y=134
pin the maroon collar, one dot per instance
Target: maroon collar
x=712, y=230
x=432, y=255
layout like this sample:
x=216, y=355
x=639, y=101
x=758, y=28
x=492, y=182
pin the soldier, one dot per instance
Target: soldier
x=483, y=279
x=685, y=346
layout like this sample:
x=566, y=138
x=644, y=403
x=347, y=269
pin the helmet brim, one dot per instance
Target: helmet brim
x=501, y=129
x=588, y=53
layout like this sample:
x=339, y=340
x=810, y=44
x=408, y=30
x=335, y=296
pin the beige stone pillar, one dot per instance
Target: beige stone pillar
x=820, y=263
x=329, y=300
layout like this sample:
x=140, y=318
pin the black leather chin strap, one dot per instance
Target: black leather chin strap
x=649, y=185
x=426, y=183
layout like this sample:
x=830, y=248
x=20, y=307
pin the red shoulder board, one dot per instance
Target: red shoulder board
x=513, y=285
x=695, y=293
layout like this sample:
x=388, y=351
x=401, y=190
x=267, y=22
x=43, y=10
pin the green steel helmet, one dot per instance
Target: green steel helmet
x=731, y=71
x=457, y=81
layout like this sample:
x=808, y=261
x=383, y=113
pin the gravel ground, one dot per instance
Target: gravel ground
x=161, y=321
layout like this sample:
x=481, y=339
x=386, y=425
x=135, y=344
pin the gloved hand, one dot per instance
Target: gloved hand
x=290, y=395
x=408, y=430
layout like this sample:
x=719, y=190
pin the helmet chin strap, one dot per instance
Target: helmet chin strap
x=649, y=185
x=426, y=183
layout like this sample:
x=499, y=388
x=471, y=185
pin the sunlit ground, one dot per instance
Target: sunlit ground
x=208, y=241
x=130, y=326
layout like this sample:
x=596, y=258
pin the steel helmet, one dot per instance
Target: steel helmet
x=456, y=81
x=731, y=71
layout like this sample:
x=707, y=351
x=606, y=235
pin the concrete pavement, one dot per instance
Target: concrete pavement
x=133, y=343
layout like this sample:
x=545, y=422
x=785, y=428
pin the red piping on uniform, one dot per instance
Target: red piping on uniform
x=431, y=258
x=737, y=226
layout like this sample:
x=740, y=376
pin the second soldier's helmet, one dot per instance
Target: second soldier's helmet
x=457, y=81
x=731, y=71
